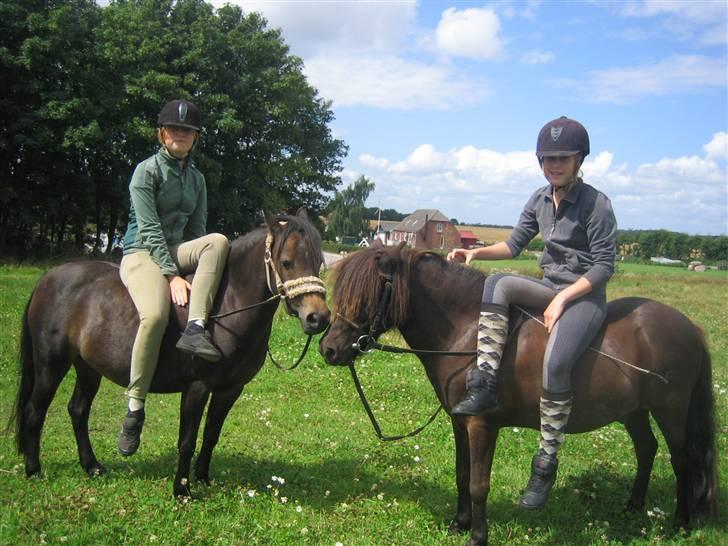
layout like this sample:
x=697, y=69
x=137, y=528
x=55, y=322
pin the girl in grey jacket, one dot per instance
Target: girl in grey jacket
x=579, y=233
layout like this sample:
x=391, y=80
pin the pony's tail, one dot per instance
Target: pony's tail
x=27, y=381
x=702, y=487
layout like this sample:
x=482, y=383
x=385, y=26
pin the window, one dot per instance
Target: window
x=438, y=227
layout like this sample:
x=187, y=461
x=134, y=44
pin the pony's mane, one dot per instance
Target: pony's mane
x=358, y=281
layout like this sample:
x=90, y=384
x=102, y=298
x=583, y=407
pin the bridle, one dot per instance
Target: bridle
x=289, y=289
x=283, y=290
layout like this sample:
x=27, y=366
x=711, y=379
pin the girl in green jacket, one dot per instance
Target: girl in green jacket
x=165, y=239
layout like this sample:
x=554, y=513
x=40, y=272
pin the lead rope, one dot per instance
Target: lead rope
x=643, y=370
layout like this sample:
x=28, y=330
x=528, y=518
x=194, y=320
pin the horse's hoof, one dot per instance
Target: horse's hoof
x=96, y=470
x=205, y=480
x=184, y=498
x=457, y=528
x=182, y=491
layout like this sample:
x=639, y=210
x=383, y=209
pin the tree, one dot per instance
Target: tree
x=347, y=214
x=82, y=86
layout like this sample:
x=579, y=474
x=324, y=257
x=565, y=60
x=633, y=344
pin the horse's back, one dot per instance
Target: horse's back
x=637, y=332
x=82, y=309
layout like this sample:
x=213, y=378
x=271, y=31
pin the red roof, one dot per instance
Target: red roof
x=468, y=235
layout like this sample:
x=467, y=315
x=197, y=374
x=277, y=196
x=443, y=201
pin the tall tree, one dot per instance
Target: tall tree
x=82, y=86
x=347, y=213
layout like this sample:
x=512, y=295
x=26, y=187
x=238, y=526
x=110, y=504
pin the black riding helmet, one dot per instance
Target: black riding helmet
x=562, y=137
x=180, y=113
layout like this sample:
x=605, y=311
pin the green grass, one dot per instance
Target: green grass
x=340, y=484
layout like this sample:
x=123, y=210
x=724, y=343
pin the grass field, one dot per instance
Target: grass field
x=298, y=462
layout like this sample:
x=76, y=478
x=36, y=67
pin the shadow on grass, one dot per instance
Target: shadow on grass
x=581, y=508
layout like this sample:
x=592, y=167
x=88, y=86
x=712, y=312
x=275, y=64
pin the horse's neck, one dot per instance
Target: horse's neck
x=246, y=280
x=442, y=301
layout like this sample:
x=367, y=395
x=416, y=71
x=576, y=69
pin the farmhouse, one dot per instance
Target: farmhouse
x=427, y=229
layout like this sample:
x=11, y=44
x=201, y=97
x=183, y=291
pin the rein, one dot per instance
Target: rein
x=373, y=419
x=284, y=291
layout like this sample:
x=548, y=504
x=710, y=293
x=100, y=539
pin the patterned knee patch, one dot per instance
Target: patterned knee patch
x=554, y=416
x=492, y=334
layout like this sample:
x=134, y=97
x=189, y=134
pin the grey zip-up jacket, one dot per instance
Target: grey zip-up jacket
x=168, y=207
x=579, y=238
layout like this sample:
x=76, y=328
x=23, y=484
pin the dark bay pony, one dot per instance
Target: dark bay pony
x=80, y=313
x=435, y=306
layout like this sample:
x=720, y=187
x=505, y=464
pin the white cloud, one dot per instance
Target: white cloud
x=390, y=82
x=536, y=56
x=703, y=21
x=314, y=27
x=717, y=148
x=675, y=75
x=686, y=193
x=471, y=33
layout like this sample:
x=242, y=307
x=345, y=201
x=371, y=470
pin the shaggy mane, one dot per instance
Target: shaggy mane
x=358, y=281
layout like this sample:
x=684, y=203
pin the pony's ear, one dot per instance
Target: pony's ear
x=271, y=221
x=377, y=243
x=302, y=213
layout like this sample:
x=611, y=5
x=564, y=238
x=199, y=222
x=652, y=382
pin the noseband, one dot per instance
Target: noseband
x=284, y=290
x=293, y=288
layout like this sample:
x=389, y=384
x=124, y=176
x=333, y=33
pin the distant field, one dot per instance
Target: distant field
x=487, y=234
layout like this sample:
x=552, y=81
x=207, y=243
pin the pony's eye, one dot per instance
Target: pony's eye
x=287, y=264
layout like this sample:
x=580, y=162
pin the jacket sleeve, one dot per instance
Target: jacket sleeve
x=601, y=232
x=197, y=224
x=525, y=230
x=150, y=231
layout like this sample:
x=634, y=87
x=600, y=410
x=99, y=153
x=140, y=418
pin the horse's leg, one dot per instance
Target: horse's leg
x=463, y=518
x=217, y=411
x=192, y=406
x=645, y=446
x=79, y=407
x=48, y=375
x=482, y=439
x=672, y=425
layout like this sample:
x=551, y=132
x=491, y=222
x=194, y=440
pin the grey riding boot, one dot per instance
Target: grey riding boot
x=543, y=476
x=481, y=381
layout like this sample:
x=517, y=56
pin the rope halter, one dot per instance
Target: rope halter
x=293, y=288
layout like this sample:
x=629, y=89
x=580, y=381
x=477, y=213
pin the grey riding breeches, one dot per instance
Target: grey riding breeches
x=570, y=336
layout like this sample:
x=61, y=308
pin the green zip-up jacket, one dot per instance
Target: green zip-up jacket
x=168, y=207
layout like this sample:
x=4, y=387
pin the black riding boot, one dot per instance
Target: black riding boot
x=131, y=431
x=543, y=476
x=197, y=341
x=481, y=394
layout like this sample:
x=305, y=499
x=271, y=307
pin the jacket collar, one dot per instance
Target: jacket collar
x=172, y=161
x=571, y=197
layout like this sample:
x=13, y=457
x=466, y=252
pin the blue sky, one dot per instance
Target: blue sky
x=441, y=102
